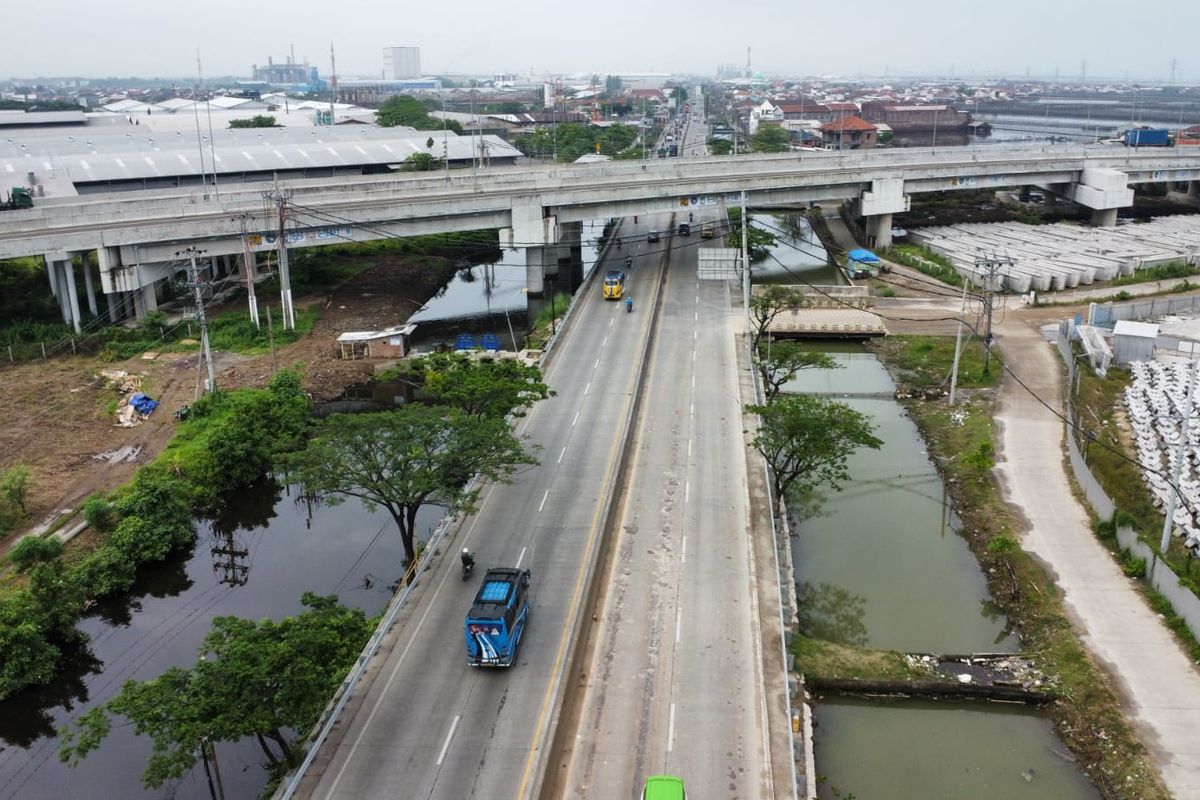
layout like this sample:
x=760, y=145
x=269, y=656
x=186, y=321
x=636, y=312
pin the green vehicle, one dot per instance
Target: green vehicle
x=664, y=787
x=18, y=197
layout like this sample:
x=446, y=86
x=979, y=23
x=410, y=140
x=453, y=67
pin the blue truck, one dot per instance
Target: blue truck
x=497, y=619
x=1147, y=137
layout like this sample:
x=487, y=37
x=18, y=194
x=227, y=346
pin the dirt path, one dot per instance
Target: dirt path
x=55, y=417
x=1160, y=685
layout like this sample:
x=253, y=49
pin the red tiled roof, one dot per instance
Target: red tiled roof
x=848, y=124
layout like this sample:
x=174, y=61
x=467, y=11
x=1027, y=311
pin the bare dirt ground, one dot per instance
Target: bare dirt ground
x=55, y=417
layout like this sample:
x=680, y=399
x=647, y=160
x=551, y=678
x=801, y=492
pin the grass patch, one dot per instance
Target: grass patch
x=542, y=327
x=1087, y=713
x=818, y=658
x=1175, y=269
x=924, y=362
x=231, y=332
x=925, y=261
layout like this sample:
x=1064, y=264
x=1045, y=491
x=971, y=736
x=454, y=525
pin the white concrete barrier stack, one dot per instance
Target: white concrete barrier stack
x=1050, y=258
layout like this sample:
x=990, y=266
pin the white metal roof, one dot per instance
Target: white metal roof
x=364, y=336
x=1141, y=330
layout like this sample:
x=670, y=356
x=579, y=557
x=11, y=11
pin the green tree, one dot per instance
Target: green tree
x=254, y=679
x=411, y=112
x=680, y=94
x=612, y=84
x=779, y=362
x=33, y=550
x=771, y=139
x=758, y=241
x=14, y=488
x=421, y=162
x=479, y=387
x=767, y=303
x=257, y=121
x=404, y=459
x=807, y=439
x=720, y=147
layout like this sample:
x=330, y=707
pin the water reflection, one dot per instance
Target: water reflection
x=831, y=613
x=798, y=255
x=30, y=715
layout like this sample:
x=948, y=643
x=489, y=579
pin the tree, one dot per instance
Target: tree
x=260, y=679
x=479, y=387
x=421, y=162
x=758, y=241
x=612, y=84
x=807, y=439
x=779, y=362
x=257, y=121
x=404, y=459
x=411, y=112
x=720, y=147
x=766, y=304
x=680, y=94
x=14, y=487
x=771, y=139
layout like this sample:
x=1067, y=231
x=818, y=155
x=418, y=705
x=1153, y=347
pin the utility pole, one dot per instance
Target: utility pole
x=199, y=285
x=228, y=561
x=249, y=268
x=745, y=257
x=958, y=345
x=992, y=266
x=280, y=199
x=332, y=84
x=212, y=153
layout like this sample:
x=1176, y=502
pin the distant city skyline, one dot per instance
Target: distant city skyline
x=1103, y=39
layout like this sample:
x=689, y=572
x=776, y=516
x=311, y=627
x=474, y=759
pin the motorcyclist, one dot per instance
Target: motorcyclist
x=689, y=216
x=468, y=560
x=628, y=261
x=629, y=302
x=618, y=242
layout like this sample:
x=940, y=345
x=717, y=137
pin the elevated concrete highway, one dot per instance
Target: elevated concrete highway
x=137, y=236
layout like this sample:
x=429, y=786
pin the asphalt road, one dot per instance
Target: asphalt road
x=429, y=726
x=675, y=682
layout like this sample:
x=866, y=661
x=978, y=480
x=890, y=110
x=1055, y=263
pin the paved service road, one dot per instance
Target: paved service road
x=425, y=724
x=675, y=681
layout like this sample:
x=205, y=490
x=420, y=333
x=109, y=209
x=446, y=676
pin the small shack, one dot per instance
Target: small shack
x=1133, y=341
x=862, y=263
x=390, y=342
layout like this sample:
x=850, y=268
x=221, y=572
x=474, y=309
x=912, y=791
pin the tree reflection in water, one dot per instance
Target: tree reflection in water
x=832, y=614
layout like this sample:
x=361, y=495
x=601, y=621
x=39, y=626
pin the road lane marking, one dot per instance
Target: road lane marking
x=562, y=453
x=693, y=356
x=543, y=503
x=449, y=736
x=575, y=420
x=596, y=365
x=521, y=557
x=671, y=730
x=693, y=386
x=678, y=623
x=687, y=490
x=692, y=410
x=604, y=341
x=683, y=553
x=695, y=316
x=689, y=448
x=695, y=335
x=587, y=388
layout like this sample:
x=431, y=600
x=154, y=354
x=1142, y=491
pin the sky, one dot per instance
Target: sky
x=149, y=38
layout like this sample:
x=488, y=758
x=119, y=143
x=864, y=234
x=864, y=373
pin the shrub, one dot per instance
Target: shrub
x=14, y=487
x=28, y=657
x=34, y=550
x=100, y=514
x=107, y=571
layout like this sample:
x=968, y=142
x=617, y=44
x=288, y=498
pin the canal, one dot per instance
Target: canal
x=881, y=564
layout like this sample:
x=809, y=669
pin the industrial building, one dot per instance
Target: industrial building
x=401, y=63
x=289, y=73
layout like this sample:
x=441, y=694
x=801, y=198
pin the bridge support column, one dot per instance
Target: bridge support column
x=72, y=294
x=537, y=233
x=1193, y=190
x=879, y=230
x=52, y=275
x=149, y=296
x=116, y=306
x=1104, y=191
x=88, y=287
x=573, y=240
x=885, y=198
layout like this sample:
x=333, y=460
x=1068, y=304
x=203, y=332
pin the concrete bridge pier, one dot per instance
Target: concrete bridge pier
x=886, y=197
x=1104, y=191
x=537, y=233
x=62, y=273
x=88, y=287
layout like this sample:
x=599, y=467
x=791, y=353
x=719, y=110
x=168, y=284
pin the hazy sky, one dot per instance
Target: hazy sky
x=160, y=37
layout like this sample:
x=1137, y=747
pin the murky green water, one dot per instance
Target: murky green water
x=896, y=751
x=880, y=564
x=881, y=560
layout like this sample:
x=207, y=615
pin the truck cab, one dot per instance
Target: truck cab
x=496, y=621
x=614, y=284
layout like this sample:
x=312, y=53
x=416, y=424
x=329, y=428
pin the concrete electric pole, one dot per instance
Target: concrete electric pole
x=199, y=285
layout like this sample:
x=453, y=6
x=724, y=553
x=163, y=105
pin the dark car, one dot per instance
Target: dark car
x=685, y=229
x=652, y=236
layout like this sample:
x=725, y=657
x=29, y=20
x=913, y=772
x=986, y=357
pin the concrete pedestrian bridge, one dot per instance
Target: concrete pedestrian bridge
x=138, y=235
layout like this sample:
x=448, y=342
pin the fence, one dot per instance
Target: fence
x=1107, y=314
x=1158, y=574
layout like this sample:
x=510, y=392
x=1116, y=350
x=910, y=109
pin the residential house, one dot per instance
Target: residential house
x=849, y=133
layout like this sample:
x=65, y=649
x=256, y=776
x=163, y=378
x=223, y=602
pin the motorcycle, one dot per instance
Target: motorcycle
x=468, y=566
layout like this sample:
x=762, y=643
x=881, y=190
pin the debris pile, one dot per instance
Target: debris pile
x=134, y=405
